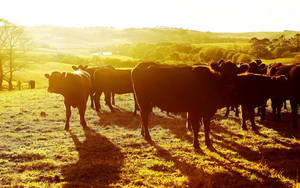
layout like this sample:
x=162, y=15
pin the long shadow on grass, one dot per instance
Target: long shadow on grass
x=126, y=119
x=239, y=181
x=197, y=177
x=284, y=127
x=286, y=161
x=99, y=162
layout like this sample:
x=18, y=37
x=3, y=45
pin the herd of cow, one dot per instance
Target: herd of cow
x=196, y=90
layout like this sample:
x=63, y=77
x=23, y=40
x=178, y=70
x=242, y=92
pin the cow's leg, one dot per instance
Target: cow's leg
x=279, y=107
x=252, y=118
x=227, y=112
x=206, y=122
x=81, y=110
x=284, y=105
x=194, y=119
x=113, y=98
x=244, y=117
x=68, y=115
x=237, y=111
x=92, y=100
x=258, y=111
x=262, y=110
x=188, y=123
x=274, y=108
x=135, y=104
x=108, y=100
x=144, y=124
x=97, y=100
x=294, y=107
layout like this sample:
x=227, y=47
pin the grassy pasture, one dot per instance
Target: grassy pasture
x=35, y=151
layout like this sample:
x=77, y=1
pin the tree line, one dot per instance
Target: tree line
x=179, y=52
x=274, y=48
x=191, y=53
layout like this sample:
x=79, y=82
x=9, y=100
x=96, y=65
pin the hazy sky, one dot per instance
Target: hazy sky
x=208, y=15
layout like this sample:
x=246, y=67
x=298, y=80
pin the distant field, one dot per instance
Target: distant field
x=35, y=151
x=34, y=68
x=233, y=45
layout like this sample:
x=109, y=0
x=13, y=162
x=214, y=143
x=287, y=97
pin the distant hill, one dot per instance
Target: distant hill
x=96, y=37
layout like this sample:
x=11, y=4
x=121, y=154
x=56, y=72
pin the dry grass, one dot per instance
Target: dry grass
x=35, y=150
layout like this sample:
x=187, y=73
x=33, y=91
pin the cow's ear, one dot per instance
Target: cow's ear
x=243, y=68
x=214, y=66
x=47, y=76
x=74, y=68
x=86, y=66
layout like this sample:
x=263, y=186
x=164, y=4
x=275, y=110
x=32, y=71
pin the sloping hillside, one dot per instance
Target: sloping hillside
x=97, y=37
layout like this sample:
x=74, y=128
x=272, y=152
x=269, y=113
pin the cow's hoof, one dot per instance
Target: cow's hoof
x=208, y=144
x=142, y=133
x=196, y=146
x=255, y=129
x=148, y=138
x=210, y=147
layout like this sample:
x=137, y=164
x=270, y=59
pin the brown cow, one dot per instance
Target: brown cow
x=91, y=71
x=111, y=81
x=75, y=87
x=196, y=90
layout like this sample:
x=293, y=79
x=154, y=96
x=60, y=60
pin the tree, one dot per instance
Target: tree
x=212, y=53
x=3, y=47
x=244, y=58
x=14, y=40
x=260, y=48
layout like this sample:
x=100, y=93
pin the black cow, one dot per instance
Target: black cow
x=111, y=81
x=255, y=89
x=196, y=90
x=292, y=72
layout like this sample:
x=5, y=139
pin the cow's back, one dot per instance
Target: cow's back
x=78, y=86
x=175, y=89
x=111, y=80
x=294, y=76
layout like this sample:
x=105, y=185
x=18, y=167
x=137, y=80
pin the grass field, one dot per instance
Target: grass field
x=35, y=151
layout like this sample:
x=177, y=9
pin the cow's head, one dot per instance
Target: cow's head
x=273, y=68
x=56, y=81
x=228, y=69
